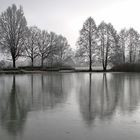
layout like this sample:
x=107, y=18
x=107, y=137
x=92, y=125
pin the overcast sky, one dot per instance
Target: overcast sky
x=67, y=16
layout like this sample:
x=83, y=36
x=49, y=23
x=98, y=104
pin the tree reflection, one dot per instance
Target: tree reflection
x=101, y=101
x=86, y=102
x=128, y=87
x=100, y=98
x=13, y=111
x=54, y=89
x=30, y=93
x=108, y=98
x=46, y=90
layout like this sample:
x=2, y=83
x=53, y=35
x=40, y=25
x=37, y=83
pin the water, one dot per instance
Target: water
x=70, y=106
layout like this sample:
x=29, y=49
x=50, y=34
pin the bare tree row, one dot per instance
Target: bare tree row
x=104, y=45
x=19, y=40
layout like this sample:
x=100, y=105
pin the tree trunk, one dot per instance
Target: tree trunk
x=103, y=53
x=32, y=61
x=14, y=62
x=90, y=65
x=123, y=58
x=130, y=56
x=123, y=55
x=104, y=68
x=42, y=62
x=106, y=57
x=90, y=55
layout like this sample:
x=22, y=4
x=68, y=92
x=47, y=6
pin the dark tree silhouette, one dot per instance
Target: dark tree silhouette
x=64, y=50
x=30, y=45
x=12, y=31
x=88, y=41
x=53, y=49
x=133, y=40
x=44, y=45
x=108, y=43
x=122, y=43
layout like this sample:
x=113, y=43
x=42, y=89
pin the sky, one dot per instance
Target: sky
x=66, y=17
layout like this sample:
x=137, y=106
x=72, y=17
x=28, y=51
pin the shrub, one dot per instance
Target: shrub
x=127, y=67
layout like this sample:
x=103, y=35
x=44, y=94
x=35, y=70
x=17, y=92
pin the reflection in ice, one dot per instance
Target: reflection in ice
x=35, y=106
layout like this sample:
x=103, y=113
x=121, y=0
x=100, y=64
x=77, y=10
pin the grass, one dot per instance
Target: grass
x=24, y=70
x=28, y=69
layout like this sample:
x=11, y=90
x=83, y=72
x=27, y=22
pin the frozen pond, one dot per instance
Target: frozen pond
x=70, y=106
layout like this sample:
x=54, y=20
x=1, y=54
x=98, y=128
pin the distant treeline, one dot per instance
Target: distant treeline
x=97, y=44
x=19, y=40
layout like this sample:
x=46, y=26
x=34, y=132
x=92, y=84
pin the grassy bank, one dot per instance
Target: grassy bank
x=43, y=70
x=26, y=70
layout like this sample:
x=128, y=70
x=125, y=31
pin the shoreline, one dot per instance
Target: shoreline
x=21, y=71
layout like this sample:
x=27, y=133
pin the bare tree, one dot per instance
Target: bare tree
x=30, y=45
x=44, y=45
x=108, y=41
x=133, y=42
x=122, y=43
x=64, y=50
x=53, y=47
x=88, y=41
x=12, y=31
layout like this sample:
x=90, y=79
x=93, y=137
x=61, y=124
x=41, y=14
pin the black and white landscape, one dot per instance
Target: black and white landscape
x=69, y=70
